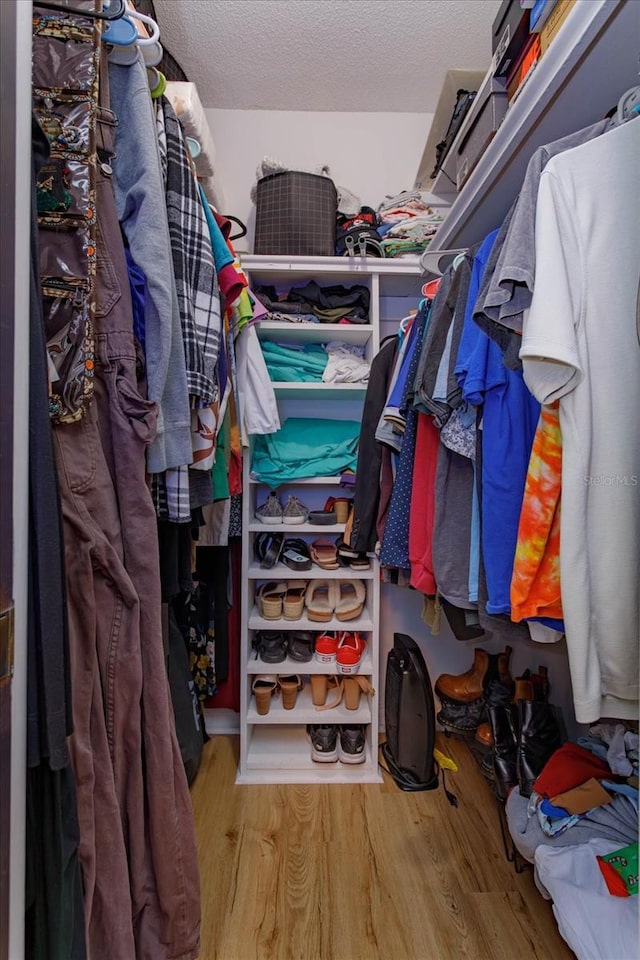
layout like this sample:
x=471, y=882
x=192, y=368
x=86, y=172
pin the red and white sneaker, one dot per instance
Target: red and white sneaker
x=351, y=647
x=326, y=648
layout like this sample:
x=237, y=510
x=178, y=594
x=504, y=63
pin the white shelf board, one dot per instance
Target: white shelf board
x=277, y=330
x=281, y=572
x=591, y=62
x=306, y=669
x=337, y=266
x=310, y=481
x=305, y=712
x=257, y=526
x=362, y=623
x=327, y=391
x=283, y=755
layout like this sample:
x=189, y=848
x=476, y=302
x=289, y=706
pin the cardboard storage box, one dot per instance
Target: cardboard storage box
x=558, y=16
x=485, y=116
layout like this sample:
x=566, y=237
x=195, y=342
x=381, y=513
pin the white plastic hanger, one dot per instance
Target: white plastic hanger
x=628, y=105
x=126, y=42
x=433, y=261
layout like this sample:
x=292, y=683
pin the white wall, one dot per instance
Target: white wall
x=371, y=154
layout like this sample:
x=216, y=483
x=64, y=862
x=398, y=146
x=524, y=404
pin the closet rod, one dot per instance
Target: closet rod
x=109, y=14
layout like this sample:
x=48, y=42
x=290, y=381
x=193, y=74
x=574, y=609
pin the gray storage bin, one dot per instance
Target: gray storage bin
x=486, y=115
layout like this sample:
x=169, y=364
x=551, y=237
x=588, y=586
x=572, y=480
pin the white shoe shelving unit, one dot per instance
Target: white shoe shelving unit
x=274, y=748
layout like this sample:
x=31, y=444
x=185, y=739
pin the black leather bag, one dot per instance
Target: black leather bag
x=296, y=215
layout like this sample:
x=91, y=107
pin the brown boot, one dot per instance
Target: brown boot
x=484, y=735
x=465, y=687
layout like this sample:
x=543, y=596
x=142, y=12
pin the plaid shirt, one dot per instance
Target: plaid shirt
x=196, y=280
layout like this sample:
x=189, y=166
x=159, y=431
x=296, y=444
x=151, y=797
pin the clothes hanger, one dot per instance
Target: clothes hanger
x=157, y=82
x=194, y=146
x=243, y=229
x=628, y=105
x=108, y=14
x=431, y=259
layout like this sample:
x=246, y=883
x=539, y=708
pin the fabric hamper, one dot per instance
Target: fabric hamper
x=296, y=215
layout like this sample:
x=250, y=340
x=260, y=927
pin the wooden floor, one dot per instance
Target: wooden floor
x=332, y=872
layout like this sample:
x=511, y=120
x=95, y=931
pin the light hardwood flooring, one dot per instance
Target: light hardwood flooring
x=333, y=872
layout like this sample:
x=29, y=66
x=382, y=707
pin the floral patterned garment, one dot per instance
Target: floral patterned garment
x=195, y=615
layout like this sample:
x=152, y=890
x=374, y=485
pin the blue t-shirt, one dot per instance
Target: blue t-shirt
x=470, y=332
x=509, y=420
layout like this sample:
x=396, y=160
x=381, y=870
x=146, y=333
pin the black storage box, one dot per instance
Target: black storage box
x=486, y=115
x=510, y=33
x=296, y=215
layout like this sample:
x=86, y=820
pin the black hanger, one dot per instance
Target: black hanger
x=120, y=10
x=243, y=229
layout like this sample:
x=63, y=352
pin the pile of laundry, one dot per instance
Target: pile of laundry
x=316, y=304
x=333, y=362
x=406, y=224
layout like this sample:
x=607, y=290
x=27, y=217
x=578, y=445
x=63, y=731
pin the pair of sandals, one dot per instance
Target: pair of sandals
x=291, y=551
x=278, y=599
x=265, y=685
x=273, y=646
x=348, y=689
x=343, y=599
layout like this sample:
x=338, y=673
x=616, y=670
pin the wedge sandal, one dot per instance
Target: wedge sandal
x=290, y=686
x=269, y=599
x=293, y=600
x=320, y=599
x=350, y=603
x=264, y=686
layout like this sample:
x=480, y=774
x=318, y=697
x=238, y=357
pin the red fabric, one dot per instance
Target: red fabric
x=227, y=695
x=423, y=506
x=570, y=766
x=235, y=473
x=223, y=223
x=615, y=883
x=231, y=283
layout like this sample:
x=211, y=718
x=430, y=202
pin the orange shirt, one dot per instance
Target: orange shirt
x=535, y=584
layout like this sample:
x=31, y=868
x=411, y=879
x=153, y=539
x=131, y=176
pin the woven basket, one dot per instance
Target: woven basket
x=296, y=215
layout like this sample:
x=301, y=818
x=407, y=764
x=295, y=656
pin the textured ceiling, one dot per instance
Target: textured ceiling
x=336, y=55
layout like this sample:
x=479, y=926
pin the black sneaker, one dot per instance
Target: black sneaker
x=351, y=748
x=324, y=742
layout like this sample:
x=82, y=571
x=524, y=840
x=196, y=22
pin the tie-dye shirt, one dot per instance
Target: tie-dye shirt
x=535, y=585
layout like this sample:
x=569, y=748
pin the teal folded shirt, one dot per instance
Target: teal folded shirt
x=285, y=364
x=305, y=448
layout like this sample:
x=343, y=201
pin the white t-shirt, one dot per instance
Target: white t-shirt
x=580, y=346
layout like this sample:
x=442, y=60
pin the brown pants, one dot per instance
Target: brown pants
x=137, y=847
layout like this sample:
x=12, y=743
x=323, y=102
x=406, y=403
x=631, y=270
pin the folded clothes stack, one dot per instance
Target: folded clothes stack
x=332, y=304
x=406, y=224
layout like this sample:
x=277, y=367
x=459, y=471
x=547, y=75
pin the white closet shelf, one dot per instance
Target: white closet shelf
x=306, y=669
x=336, y=266
x=281, y=572
x=277, y=330
x=363, y=623
x=305, y=712
x=598, y=39
x=283, y=755
x=310, y=481
x=293, y=528
x=307, y=390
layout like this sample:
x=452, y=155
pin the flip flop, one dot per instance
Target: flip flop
x=324, y=553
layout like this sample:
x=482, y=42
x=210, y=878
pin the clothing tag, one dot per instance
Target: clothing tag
x=580, y=799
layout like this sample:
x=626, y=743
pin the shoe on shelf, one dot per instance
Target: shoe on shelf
x=301, y=646
x=294, y=512
x=271, y=646
x=271, y=509
x=326, y=648
x=295, y=554
x=267, y=548
x=351, y=646
x=264, y=686
x=324, y=742
x=290, y=685
x=351, y=744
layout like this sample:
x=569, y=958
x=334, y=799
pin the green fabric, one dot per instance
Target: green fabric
x=285, y=364
x=219, y=472
x=620, y=870
x=305, y=448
